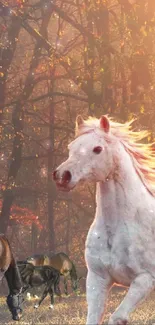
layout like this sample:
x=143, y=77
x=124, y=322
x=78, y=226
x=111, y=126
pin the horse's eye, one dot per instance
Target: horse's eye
x=97, y=150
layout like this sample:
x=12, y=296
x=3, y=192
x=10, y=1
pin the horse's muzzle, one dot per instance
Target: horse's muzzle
x=17, y=316
x=62, y=181
x=14, y=304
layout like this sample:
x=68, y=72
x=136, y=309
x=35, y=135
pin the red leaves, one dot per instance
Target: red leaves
x=24, y=216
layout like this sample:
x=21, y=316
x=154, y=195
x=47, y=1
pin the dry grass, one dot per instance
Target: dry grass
x=72, y=310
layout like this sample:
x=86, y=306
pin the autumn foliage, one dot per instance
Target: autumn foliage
x=59, y=59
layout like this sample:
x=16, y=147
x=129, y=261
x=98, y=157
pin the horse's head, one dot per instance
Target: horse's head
x=76, y=285
x=31, y=260
x=14, y=302
x=74, y=279
x=90, y=156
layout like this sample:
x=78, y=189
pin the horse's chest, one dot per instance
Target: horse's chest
x=98, y=248
x=99, y=240
x=108, y=251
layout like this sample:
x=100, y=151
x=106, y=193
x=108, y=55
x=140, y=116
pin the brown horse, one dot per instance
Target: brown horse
x=9, y=270
x=60, y=262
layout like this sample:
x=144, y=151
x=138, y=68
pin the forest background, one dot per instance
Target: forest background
x=58, y=59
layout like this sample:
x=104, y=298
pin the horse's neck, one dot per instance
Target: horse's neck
x=13, y=278
x=118, y=198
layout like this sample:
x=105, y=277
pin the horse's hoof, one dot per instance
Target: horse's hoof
x=51, y=306
x=36, y=306
x=118, y=321
x=28, y=296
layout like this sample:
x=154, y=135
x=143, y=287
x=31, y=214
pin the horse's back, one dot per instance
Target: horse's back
x=36, y=260
x=59, y=261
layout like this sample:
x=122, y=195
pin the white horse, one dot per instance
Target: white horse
x=120, y=246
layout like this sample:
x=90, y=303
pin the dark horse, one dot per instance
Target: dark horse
x=35, y=276
x=60, y=262
x=9, y=270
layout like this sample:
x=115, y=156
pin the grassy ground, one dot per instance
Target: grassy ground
x=72, y=310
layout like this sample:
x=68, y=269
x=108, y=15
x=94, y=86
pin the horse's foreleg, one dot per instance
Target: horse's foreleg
x=51, y=292
x=65, y=286
x=25, y=288
x=97, y=288
x=139, y=289
x=57, y=288
x=45, y=292
x=34, y=293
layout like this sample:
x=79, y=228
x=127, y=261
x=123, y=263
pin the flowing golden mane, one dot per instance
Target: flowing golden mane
x=142, y=154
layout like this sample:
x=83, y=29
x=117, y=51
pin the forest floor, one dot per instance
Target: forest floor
x=72, y=311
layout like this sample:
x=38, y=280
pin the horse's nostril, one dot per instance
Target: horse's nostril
x=66, y=177
x=55, y=175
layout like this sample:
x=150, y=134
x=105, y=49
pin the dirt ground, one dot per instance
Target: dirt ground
x=72, y=310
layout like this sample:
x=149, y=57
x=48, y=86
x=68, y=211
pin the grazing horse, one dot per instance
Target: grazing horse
x=35, y=276
x=60, y=262
x=120, y=246
x=9, y=270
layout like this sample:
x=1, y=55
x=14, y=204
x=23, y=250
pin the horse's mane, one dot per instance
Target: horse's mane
x=142, y=154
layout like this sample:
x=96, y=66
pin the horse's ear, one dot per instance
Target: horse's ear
x=79, y=121
x=104, y=123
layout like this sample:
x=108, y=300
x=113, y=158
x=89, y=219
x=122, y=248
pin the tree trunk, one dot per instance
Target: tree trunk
x=50, y=185
x=17, y=120
x=7, y=56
